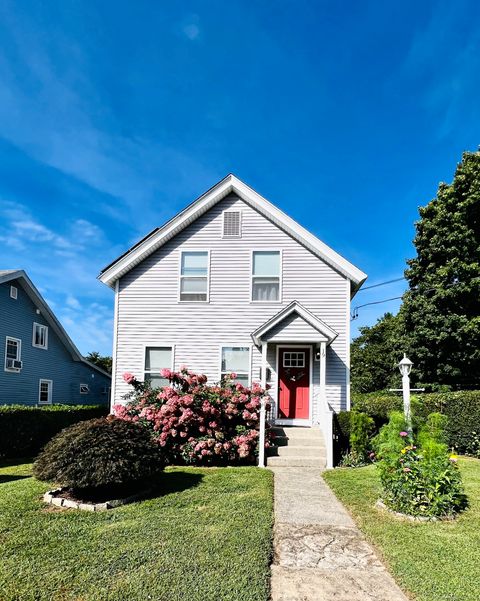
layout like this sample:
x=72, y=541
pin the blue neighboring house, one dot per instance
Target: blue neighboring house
x=39, y=364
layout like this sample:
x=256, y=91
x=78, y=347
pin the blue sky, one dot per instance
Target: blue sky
x=114, y=115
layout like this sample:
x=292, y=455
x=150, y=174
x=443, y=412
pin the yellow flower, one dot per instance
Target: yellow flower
x=403, y=451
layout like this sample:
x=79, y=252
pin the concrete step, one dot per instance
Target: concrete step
x=296, y=461
x=294, y=432
x=283, y=441
x=314, y=452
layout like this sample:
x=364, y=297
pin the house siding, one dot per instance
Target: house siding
x=148, y=311
x=54, y=363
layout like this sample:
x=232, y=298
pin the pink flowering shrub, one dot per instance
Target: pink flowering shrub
x=194, y=422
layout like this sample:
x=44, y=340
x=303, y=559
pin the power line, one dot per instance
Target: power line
x=413, y=290
x=382, y=284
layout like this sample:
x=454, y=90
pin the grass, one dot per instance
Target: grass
x=434, y=561
x=208, y=537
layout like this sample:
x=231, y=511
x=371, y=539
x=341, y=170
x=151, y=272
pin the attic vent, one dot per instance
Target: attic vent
x=13, y=292
x=231, y=224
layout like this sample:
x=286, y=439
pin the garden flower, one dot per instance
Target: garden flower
x=454, y=458
x=407, y=469
x=128, y=377
x=403, y=434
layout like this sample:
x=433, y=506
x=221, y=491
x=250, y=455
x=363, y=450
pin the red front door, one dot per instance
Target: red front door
x=294, y=383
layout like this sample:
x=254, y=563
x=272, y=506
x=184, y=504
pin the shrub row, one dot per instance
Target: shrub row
x=462, y=409
x=25, y=430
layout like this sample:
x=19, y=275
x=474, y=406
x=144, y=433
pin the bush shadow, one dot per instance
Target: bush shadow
x=172, y=482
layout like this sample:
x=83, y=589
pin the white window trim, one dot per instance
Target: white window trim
x=197, y=250
x=40, y=325
x=155, y=344
x=88, y=389
x=280, y=281
x=50, y=391
x=19, y=354
x=231, y=344
x=223, y=224
x=13, y=292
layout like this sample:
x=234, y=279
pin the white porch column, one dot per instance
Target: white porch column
x=323, y=375
x=261, y=438
x=327, y=421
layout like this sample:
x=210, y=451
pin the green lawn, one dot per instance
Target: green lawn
x=208, y=537
x=435, y=561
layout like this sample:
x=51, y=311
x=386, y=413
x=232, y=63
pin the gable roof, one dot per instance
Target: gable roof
x=8, y=275
x=230, y=184
x=326, y=332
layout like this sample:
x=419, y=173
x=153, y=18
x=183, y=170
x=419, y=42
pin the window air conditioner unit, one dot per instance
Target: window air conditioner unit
x=14, y=364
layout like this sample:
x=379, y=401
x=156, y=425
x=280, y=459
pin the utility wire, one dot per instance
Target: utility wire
x=381, y=284
x=386, y=300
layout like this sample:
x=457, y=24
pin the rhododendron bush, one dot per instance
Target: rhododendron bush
x=194, y=422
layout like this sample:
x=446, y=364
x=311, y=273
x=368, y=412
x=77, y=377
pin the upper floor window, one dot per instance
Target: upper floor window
x=40, y=335
x=232, y=224
x=13, y=292
x=236, y=359
x=156, y=359
x=194, y=276
x=266, y=275
x=45, y=389
x=13, y=354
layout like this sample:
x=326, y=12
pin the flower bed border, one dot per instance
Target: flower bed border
x=413, y=518
x=52, y=497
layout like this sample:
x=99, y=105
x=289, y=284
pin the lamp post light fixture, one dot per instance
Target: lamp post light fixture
x=405, y=367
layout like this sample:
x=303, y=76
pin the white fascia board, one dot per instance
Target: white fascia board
x=209, y=199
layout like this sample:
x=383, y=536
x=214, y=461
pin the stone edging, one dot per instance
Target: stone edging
x=52, y=498
x=412, y=518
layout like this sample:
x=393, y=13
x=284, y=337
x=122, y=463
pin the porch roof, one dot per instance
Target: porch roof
x=317, y=330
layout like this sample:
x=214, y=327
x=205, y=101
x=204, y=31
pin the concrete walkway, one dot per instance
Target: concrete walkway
x=319, y=553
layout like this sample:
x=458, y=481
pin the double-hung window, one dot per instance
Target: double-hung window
x=40, y=336
x=266, y=271
x=45, y=389
x=236, y=359
x=157, y=358
x=194, y=276
x=13, y=353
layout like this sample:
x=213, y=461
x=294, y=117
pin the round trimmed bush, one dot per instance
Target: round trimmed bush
x=105, y=453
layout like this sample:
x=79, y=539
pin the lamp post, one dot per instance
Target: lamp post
x=405, y=367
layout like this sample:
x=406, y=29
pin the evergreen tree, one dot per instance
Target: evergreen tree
x=441, y=310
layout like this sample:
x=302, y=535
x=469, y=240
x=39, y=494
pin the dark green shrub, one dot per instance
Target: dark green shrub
x=418, y=478
x=25, y=430
x=361, y=427
x=461, y=408
x=99, y=454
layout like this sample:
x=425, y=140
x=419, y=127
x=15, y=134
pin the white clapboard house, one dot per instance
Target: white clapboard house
x=233, y=284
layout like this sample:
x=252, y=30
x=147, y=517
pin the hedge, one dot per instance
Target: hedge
x=462, y=409
x=25, y=430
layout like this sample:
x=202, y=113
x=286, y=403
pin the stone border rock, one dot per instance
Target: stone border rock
x=412, y=518
x=52, y=497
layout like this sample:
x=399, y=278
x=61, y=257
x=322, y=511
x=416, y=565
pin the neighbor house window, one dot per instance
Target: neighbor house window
x=13, y=292
x=236, y=359
x=13, y=353
x=266, y=275
x=232, y=224
x=157, y=358
x=194, y=276
x=40, y=336
x=45, y=388
x=84, y=389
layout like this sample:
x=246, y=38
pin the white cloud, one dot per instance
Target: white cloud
x=192, y=31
